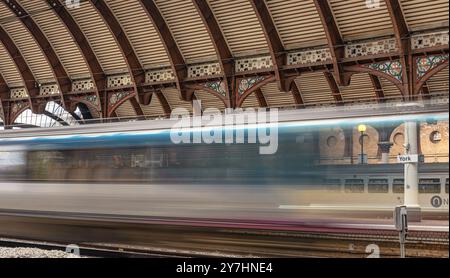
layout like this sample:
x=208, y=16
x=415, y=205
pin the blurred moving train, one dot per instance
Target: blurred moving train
x=135, y=169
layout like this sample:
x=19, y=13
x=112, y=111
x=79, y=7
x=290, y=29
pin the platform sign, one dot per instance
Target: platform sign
x=401, y=225
x=408, y=158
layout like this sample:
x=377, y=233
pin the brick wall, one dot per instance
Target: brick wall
x=434, y=144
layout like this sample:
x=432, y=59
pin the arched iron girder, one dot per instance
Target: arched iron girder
x=135, y=68
x=261, y=98
x=96, y=70
x=418, y=86
x=76, y=117
x=297, y=94
x=334, y=87
x=335, y=41
x=220, y=44
x=276, y=48
x=26, y=74
x=56, y=118
x=136, y=106
x=378, y=88
x=164, y=103
x=59, y=73
x=4, y=94
x=4, y=88
x=173, y=52
x=403, y=38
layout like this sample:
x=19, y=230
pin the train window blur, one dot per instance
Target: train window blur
x=378, y=186
x=169, y=163
x=354, y=186
x=429, y=186
x=12, y=165
x=446, y=186
x=100, y=165
x=332, y=185
x=398, y=186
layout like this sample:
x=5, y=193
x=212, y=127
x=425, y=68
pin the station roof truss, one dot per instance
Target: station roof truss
x=144, y=58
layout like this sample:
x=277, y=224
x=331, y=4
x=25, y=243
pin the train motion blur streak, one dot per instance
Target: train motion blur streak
x=141, y=172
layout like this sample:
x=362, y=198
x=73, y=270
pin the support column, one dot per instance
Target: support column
x=197, y=107
x=316, y=142
x=384, y=140
x=411, y=173
x=348, y=149
x=385, y=148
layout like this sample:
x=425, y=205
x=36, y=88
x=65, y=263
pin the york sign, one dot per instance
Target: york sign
x=408, y=158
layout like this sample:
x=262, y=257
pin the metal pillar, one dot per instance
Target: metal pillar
x=411, y=173
x=362, y=128
x=362, y=148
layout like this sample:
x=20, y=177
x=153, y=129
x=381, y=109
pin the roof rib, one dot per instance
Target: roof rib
x=26, y=75
x=335, y=41
x=56, y=118
x=335, y=90
x=377, y=87
x=261, y=98
x=164, y=103
x=220, y=44
x=296, y=93
x=4, y=94
x=136, y=106
x=404, y=43
x=425, y=91
x=176, y=59
x=277, y=51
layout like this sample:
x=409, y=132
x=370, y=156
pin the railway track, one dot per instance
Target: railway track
x=89, y=250
x=164, y=240
x=308, y=249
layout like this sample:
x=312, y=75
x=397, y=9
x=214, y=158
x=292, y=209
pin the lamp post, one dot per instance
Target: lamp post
x=362, y=129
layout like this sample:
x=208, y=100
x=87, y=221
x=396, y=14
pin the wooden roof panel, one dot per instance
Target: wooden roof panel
x=141, y=32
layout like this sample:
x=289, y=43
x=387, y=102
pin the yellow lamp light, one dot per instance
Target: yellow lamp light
x=362, y=128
